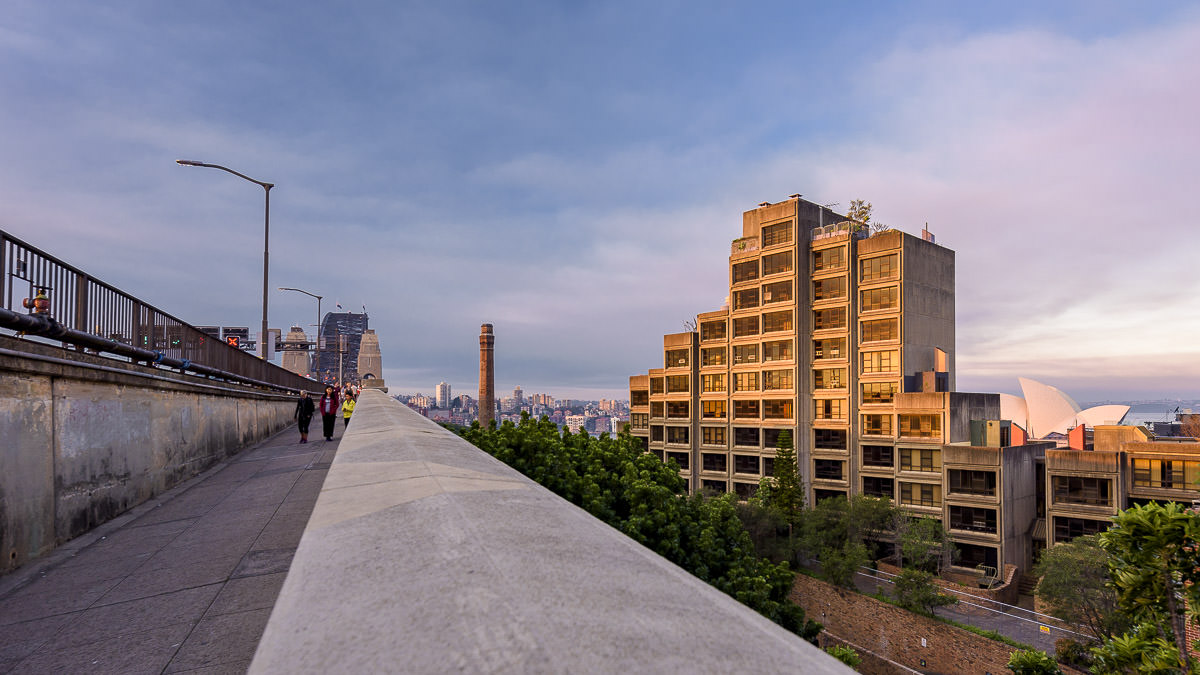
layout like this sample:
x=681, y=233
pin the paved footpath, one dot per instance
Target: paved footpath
x=182, y=583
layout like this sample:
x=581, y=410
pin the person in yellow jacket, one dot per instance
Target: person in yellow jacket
x=347, y=409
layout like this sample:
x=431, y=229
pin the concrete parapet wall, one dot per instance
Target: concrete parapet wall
x=84, y=438
x=425, y=554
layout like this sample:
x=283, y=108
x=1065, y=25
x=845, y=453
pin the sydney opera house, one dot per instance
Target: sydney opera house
x=1047, y=412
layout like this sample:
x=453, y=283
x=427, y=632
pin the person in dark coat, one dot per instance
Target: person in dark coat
x=329, y=407
x=304, y=414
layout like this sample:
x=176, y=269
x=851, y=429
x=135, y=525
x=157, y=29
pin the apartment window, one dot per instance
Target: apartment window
x=777, y=350
x=777, y=379
x=972, y=519
x=829, y=348
x=1082, y=490
x=678, y=435
x=880, y=298
x=921, y=426
x=713, y=356
x=779, y=233
x=1170, y=474
x=745, y=354
x=745, y=271
x=1069, y=528
x=718, y=486
x=771, y=437
x=777, y=263
x=829, y=259
x=973, y=555
x=829, y=439
x=829, y=408
x=747, y=325
x=878, y=330
x=827, y=469
x=829, y=289
x=982, y=483
x=768, y=464
x=780, y=291
x=920, y=459
x=675, y=358
x=656, y=433
x=681, y=459
x=920, y=494
x=677, y=409
x=878, y=392
x=657, y=408
x=639, y=420
x=774, y=322
x=829, y=378
x=877, y=425
x=745, y=410
x=777, y=409
x=745, y=299
x=712, y=435
x=657, y=385
x=745, y=381
x=712, y=461
x=712, y=330
x=822, y=495
x=875, y=486
x=833, y=317
x=878, y=455
x=883, y=267
x=745, y=437
x=745, y=464
x=881, y=362
x=712, y=410
x=641, y=397
x=677, y=384
x=745, y=490
x=712, y=383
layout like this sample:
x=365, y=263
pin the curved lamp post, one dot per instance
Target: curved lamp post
x=263, y=337
x=316, y=347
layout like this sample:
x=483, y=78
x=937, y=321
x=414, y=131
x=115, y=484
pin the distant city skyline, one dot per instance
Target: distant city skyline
x=431, y=162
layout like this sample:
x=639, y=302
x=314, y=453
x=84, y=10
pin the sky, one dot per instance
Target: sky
x=574, y=172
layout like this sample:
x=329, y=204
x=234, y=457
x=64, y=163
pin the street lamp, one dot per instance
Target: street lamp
x=262, y=347
x=316, y=347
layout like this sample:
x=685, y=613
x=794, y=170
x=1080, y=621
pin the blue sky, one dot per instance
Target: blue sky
x=529, y=164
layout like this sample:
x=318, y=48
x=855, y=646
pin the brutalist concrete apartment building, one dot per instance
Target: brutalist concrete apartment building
x=845, y=339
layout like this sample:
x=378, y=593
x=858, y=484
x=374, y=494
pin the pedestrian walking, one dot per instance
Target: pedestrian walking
x=329, y=408
x=304, y=414
x=348, y=409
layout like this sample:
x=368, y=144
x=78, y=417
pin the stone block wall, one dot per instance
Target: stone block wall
x=84, y=438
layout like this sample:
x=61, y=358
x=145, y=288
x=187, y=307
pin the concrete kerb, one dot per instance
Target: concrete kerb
x=424, y=554
x=22, y=576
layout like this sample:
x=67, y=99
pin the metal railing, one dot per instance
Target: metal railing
x=88, y=313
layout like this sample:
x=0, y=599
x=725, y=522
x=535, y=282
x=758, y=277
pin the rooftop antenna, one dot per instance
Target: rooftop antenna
x=821, y=212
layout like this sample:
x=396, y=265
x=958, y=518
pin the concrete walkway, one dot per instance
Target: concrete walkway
x=183, y=583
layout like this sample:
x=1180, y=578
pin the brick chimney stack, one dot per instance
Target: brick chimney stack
x=487, y=382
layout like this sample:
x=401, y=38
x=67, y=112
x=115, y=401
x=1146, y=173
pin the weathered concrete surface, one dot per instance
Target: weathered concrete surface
x=184, y=582
x=83, y=438
x=424, y=554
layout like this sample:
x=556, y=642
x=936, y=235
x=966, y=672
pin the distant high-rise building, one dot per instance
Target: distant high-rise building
x=295, y=351
x=487, y=383
x=442, y=392
x=518, y=398
x=334, y=326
